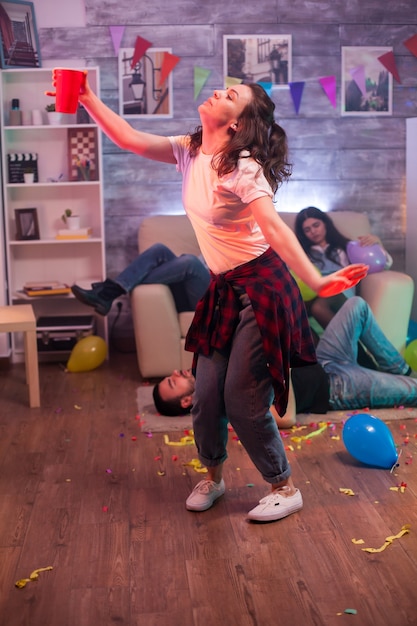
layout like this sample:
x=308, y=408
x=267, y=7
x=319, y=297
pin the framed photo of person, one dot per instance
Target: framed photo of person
x=19, y=43
x=366, y=84
x=27, y=226
x=258, y=59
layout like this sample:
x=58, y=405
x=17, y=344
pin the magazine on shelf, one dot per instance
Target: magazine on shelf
x=74, y=233
x=47, y=288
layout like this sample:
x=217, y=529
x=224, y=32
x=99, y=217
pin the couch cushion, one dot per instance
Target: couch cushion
x=175, y=231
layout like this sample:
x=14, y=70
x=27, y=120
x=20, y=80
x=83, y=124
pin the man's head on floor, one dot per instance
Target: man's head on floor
x=173, y=396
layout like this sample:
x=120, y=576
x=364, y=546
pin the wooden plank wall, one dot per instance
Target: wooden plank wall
x=339, y=162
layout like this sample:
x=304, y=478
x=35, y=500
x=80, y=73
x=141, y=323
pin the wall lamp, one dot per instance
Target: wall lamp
x=138, y=84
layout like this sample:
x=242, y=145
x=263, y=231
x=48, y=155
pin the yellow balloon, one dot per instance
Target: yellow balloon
x=306, y=293
x=87, y=354
x=410, y=354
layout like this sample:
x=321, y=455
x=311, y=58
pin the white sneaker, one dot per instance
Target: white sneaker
x=204, y=494
x=276, y=506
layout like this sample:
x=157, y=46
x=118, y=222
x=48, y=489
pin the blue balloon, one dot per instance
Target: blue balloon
x=369, y=440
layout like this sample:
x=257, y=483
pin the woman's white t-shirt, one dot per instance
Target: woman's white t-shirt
x=226, y=230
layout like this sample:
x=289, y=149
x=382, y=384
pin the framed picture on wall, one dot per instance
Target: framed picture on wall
x=27, y=226
x=366, y=83
x=258, y=59
x=19, y=45
x=141, y=93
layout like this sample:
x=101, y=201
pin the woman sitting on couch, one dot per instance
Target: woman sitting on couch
x=325, y=246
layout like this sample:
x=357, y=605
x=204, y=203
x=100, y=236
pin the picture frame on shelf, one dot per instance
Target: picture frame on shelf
x=82, y=154
x=27, y=225
x=367, y=85
x=19, y=42
x=258, y=59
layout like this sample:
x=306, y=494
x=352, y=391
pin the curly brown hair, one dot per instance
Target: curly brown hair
x=259, y=134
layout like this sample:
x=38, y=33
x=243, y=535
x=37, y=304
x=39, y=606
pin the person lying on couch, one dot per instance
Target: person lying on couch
x=186, y=275
x=336, y=382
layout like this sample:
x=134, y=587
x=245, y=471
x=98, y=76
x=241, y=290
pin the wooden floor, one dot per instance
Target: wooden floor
x=84, y=491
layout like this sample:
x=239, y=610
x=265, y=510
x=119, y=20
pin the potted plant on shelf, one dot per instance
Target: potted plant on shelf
x=70, y=220
x=54, y=117
x=28, y=174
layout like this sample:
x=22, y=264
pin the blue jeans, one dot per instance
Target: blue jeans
x=353, y=386
x=158, y=265
x=236, y=386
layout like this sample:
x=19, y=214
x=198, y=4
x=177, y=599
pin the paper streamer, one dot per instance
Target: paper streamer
x=411, y=44
x=388, y=541
x=229, y=81
x=328, y=84
x=200, y=78
x=33, y=577
x=323, y=426
x=188, y=440
x=141, y=46
x=358, y=75
x=296, y=94
x=197, y=466
x=168, y=63
x=116, y=33
x=267, y=87
x=388, y=61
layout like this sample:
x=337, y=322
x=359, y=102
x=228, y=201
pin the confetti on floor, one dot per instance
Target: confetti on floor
x=388, y=541
x=33, y=577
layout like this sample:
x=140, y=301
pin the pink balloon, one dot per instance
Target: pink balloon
x=374, y=256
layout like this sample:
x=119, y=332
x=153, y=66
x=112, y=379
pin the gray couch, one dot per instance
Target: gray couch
x=160, y=330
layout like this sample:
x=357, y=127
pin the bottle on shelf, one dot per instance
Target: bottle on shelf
x=15, y=116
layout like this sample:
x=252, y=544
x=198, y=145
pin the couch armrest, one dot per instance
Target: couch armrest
x=390, y=296
x=157, y=330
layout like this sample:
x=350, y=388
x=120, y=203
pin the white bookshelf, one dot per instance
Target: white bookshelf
x=47, y=258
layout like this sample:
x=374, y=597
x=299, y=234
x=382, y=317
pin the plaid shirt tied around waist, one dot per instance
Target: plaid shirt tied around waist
x=279, y=312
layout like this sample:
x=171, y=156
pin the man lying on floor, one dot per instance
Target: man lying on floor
x=336, y=382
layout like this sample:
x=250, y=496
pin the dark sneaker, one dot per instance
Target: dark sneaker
x=91, y=297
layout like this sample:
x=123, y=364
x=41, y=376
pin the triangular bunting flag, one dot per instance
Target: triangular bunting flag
x=141, y=47
x=116, y=33
x=388, y=61
x=358, y=75
x=411, y=44
x=267, y=87
x=229, y=81
x=296, y=94
x=168, y=63
x=200, y=77
x=328, y=84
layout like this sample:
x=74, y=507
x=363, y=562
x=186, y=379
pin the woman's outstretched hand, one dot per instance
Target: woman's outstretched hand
x=343, y=279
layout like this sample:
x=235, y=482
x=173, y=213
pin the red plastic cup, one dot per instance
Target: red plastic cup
x=68, y=85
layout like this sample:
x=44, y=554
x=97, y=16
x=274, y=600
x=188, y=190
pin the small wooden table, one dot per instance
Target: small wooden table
x=21, y=318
